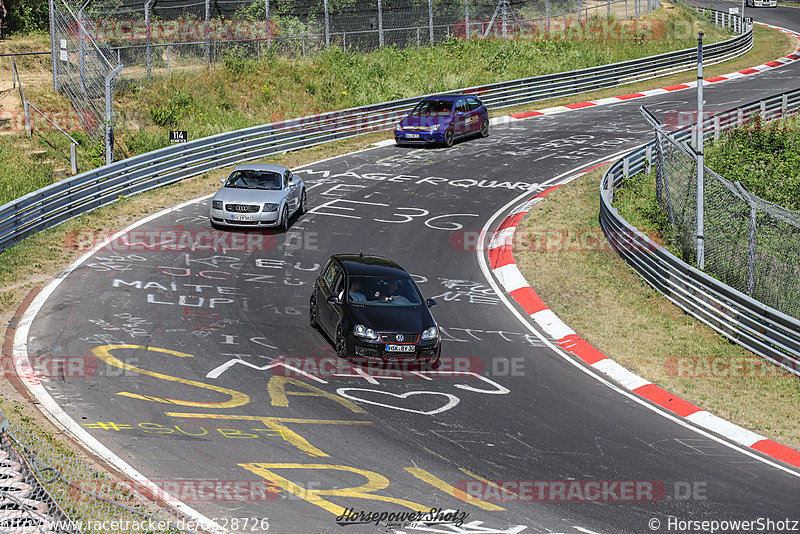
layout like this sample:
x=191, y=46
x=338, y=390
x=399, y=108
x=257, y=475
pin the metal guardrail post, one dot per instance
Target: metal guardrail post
x=109, y=116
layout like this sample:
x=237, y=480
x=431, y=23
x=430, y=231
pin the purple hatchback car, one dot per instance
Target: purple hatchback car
x=443, y=119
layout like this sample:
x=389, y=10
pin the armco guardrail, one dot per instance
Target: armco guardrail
x=757, y=327
x=59, y=202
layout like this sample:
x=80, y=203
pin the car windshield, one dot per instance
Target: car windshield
x=382, y=291
x=433, y=108
x=254, y=180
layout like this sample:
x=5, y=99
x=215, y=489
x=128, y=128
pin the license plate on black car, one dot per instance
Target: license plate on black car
x=400, y=348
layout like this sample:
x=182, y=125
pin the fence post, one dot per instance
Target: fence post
x=269, y=24
x=716, y=128
x=109, y=117
x=380, y=24
x=53, y=47
x=73, y=158
x=81, y=46
x=751, y=237
x=699, y=154
x=636, y=9
x=430, y=18
x=547, y=15
x=626, y=9
x=608, y=9
x=147, y=35
x=168, y=58
x=466, y=18
x=327, y=25
x=784, y=104
x=208, y=33
x=580, y=6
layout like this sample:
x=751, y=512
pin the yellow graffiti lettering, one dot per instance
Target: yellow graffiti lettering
x=375, y=482
x=278, y=394
x=276, y=424
x=104, y=353
x=450, y=490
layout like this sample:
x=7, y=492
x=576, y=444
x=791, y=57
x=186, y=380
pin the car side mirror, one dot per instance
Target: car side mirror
x=333, y=299
x=222, y=180
x=431, y=303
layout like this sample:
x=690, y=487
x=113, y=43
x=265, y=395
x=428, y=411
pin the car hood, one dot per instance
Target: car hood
x=248, y=196
x=411, y=320
x=415, y=121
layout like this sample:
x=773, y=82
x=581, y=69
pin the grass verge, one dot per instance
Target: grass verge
x=609, y=305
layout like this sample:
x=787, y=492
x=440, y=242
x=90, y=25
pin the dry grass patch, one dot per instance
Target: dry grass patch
x=608, y=304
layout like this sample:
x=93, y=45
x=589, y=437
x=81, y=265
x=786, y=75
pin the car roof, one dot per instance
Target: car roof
x=450, y=97
x=369, y=265
x=260, y=167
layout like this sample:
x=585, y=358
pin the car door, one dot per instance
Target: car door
x=294, y=189
x=461, y=116
x=337, y=310
x=475, y=114
x=326, y=284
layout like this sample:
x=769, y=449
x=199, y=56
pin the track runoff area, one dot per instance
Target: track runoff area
x=194, y=368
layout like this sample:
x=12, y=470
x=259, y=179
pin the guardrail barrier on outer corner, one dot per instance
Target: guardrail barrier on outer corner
x=761, y=329
x=69, y=198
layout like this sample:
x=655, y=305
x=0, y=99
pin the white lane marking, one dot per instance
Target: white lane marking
x=487, y=273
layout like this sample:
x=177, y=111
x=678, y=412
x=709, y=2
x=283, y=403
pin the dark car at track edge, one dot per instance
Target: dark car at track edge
x=374, y=312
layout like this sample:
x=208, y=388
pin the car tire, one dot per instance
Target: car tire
x=285, y=219
x=340, y=343
x=448, y=138
x=484, y=131
x=303, y=207
x=313, y=312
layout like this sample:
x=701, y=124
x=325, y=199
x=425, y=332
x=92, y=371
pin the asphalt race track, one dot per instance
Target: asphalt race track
x=197, y=391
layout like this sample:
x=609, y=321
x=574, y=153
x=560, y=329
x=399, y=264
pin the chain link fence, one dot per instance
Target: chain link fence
x=750, y=244
x=44, y=490
x=165, y=34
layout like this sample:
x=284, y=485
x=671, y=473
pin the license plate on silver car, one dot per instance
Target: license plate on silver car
x=400, y=348
x=235, y=217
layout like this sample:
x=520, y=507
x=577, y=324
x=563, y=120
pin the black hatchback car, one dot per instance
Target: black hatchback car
x=373, y=311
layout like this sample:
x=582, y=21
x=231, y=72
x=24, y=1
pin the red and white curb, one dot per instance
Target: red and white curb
x=509, y=277
x=791, y=58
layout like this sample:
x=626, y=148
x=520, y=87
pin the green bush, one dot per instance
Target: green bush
x=180, y=105
x=764, y=157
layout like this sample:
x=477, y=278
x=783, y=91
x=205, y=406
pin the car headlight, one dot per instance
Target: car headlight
x=216, y=204
x=270, y=207
x=430, y=333
x=433, y=127
x=398, y=126
x=367, y=333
